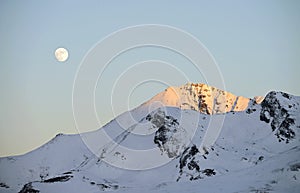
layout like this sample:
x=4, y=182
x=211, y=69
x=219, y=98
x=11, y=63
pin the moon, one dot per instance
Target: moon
x=61, y=54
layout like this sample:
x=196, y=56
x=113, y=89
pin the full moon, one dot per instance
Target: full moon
x=61, y=54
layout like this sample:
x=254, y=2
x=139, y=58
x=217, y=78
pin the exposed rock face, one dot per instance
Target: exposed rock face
x=3, y=185
x=277, y=108
x=169, y=136
x=203, y=98
x=189, y=165
x=29, y=189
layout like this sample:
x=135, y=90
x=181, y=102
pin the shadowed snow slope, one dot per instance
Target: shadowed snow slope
x=259, y=148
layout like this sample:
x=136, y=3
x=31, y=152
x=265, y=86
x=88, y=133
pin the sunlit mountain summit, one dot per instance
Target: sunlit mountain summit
x=203, y=98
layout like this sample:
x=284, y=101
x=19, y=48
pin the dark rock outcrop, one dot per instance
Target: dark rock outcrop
x=275, y=111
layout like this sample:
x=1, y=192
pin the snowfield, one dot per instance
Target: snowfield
x=257, y=150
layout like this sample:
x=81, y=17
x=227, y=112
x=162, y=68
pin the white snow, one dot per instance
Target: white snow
x=247, y=155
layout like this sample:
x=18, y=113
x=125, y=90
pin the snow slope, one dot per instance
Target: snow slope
x=258, y=150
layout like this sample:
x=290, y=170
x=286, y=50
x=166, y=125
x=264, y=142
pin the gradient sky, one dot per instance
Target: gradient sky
x=255, y=43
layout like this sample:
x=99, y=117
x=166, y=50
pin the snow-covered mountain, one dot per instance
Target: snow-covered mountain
x=257, y=150
x=203, y=98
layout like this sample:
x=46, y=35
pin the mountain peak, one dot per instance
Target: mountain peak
x=260, y=143
x=203, y=98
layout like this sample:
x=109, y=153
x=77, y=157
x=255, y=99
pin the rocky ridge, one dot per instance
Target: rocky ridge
x=202, y=98
x=258, y=146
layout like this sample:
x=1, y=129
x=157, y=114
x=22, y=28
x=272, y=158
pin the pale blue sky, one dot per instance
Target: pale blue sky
x=255, y=43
